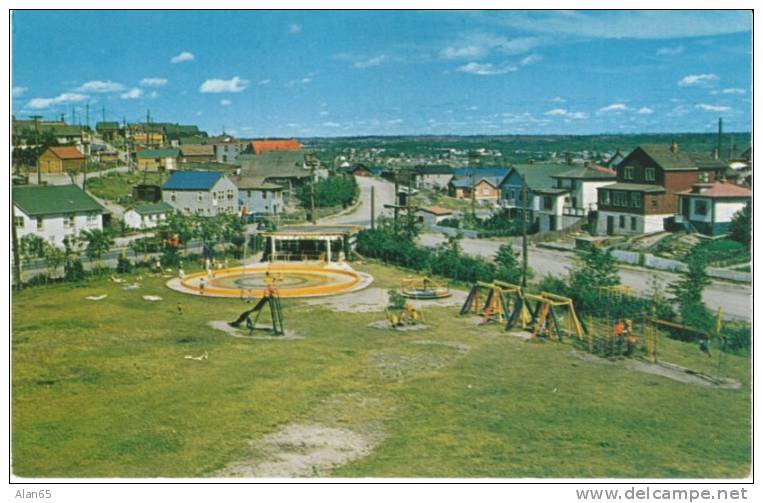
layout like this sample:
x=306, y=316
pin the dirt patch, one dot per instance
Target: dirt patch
x=223, y=326
x=464, y=348
x=303, y=450
x=373, y=300
x=384, y=325
x=663, y=369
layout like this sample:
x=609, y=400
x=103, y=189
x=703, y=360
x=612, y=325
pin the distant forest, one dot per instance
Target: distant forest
x=520, y=148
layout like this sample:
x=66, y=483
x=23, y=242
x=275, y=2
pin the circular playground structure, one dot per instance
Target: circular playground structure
x=423, y=288
x=291, y=281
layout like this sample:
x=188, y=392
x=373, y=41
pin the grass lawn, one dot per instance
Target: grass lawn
x=117, y=185
x=103, y=389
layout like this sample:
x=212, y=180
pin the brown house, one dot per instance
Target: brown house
x=646, y=192
x=197, y=153
x=59, y=160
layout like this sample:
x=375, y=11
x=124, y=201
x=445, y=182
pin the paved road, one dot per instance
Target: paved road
x=735, y=299
x=384, y=193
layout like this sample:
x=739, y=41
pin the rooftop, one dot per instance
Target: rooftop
x=437, y=210
x=718, y=190
x=588, y=172
x=152, y=208
x=67, y=153
x=192, y=180
x=153, y=153
x=634, y=187
x=261, y=146
x=40, y=200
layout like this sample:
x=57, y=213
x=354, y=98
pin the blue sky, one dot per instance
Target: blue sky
x=343, y=73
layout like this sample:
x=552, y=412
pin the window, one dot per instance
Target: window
x=40, y=223
x=68, y=222
x=649, y=174
x=635, y=199
x=700, y=207
x=173, y=196
x=199, y=196
x=92, y=218
x=19, y=221
x=622, y=221
x=704, y=177
x=249, y=194
x=604, y=196
x=633, y=223
x=230, y=195
x=654, y=201
x=620, y=198
x=187, y=210
x=628, y=172
x=511, y=194
x=547, y=202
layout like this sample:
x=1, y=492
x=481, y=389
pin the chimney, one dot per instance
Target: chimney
x=674, y=146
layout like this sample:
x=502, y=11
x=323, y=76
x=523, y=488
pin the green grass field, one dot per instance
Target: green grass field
x=103, y=389
x=114, y=186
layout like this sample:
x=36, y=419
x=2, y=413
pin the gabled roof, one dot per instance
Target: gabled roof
x=437, y=210
x=261, y=146
x=40, y=200
x=152, y=208
x=254, y=183
x=106, y=126
x=718, y=190
x=538, y=175
x=466, y=181
x=275, y=165
x=197, y=150
x=666, y=158
x=65, y=153
x=155, y=153
x=478, y=172
x=588, y=172
x=192, y=180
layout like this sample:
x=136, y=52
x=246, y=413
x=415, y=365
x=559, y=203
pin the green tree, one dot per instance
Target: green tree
x=740, y=228
x=508, y=267
x=594, y=269
x=54, y=258
x=32, y=246
x=688, y=293
x=97, y=242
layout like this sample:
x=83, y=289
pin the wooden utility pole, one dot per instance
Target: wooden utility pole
x=524, y=233
x=397, y=202
x=373, y=208
x=36, y=145
x=473, y=171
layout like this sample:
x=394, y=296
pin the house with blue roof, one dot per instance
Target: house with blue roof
x=206, y=193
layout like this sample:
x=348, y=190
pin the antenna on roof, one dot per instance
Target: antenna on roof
x=720, y=134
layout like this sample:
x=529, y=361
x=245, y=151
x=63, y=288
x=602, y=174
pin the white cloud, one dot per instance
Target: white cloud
x=234, y=85
x=226, y=102
x=153, y=82
x=324, y=113
x=466, y=52
x=101, y=86
x=374, y=61
x=670, y=51
x=645, y=111
x=132, y=94
x=563, y=112
x=294, y=29
x=296, y=82
x=18, y=91
x=485, y=69
x=263, y=82
x=331, y=124
x=733, y=90
x=153, y=95
x=183, y=56
x=701, y=80
x=529, y=60
x=614, y=107
x=558, y=99
x=713, y=108
x=41, y=103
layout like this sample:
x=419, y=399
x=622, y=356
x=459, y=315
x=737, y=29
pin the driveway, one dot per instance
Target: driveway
x=384, y=193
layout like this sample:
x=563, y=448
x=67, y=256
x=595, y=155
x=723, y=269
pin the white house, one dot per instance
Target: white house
x=582, y=184
x=709, y=207
x=147, y=215
x=55, y=212
x=433, y=215
x=206, y=193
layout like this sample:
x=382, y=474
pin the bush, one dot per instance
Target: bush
x=450, y=222
x=332, y=191
x=124, y=265
x=74, y=270
x=718, y=251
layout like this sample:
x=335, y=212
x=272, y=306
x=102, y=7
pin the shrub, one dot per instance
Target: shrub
x=124, y=265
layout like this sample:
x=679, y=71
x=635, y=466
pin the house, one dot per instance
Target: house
x=258, y=147
x=227, y=149
x=259, y=196
x=147, y=215
x=581, y=199
x=197, y=153
x=356, y=170
x=109, y=131
x=485, y=181
x=432, y=177
x=545, y=200
x=709, y=207
x=59, y=160
x=647, y=183
x=432, y=215
x=614, y=160
x=158, y=159
x=288, y=169
x=55, y=212
x=206, y=193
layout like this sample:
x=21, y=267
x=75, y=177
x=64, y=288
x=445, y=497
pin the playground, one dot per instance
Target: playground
x=183, y=386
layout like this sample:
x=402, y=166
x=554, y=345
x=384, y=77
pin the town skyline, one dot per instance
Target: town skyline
x=352, y=73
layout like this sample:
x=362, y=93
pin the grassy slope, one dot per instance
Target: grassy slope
x=115, y=185
x=102, y=389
